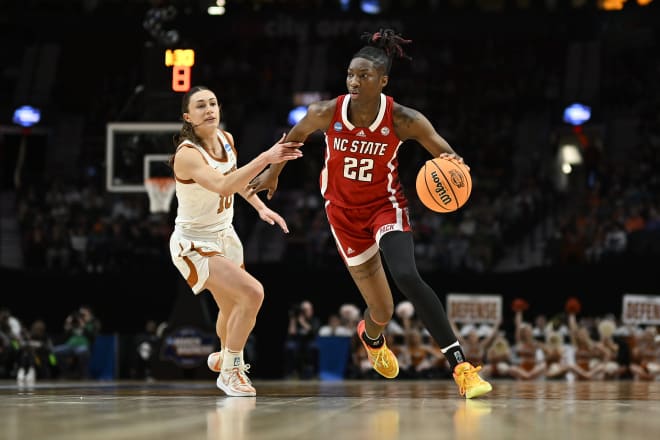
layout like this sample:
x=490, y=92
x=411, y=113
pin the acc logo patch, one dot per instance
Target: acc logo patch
x=384, y=131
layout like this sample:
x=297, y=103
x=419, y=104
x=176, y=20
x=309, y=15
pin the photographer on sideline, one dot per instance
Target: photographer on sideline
x=80, y=328
x=300, y=350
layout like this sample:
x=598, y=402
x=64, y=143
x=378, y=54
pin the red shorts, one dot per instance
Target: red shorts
x=358, y=231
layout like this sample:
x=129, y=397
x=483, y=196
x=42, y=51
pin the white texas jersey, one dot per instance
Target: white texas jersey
x=200, y=210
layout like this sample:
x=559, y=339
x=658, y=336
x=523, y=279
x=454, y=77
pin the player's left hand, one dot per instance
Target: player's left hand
x=271, y=217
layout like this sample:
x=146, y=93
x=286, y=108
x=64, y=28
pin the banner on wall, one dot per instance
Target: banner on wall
x=640, y=309
x=188, y=346
x=468, y=307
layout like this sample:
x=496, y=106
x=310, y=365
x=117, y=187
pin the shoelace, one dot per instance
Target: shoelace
x=466, y=376
x=381, y=358
x=238, y=375
x=243, y=373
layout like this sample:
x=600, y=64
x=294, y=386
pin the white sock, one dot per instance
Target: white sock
x=455, y=344
x=232, y=359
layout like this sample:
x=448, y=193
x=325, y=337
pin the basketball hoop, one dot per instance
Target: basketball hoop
x=160, y=191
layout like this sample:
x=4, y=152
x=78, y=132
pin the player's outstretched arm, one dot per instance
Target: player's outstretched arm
x=190, y=163
x=318, y=116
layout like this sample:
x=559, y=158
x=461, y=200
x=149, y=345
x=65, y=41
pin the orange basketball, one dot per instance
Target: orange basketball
x=443, y=185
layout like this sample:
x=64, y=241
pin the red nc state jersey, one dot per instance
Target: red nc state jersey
x=361, y=166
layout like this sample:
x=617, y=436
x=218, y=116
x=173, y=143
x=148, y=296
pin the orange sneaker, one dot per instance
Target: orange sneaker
x=470, y=384
x=382, y=359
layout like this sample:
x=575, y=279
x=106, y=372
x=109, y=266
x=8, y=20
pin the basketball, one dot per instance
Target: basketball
x=443, y=185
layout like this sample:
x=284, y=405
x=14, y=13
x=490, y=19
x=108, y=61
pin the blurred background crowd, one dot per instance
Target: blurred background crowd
x=493, y=76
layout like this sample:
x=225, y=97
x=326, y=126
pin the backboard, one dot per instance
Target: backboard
x=136, y=151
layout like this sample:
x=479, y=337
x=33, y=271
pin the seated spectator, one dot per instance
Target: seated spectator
x=9, y=343
x=475, y=342
x=589, y=355
x=645, y=359
x=300, y=350
x=145, y=348
x=556, y=356
x=334, y=327
x=423, y=355
x=499, y=358
x=530, y=363
x=80, y=329
x=41, y=350
x=610, y=349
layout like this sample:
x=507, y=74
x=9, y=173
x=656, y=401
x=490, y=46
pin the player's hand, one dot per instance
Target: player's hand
x=267, y=180
x=271, y=217
x=456, y=157
x=283, y=151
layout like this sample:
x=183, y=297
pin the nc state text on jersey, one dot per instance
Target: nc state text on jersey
x=361, y=147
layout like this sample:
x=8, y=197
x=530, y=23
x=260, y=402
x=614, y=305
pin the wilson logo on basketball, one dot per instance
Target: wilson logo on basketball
x=440, y=189
x=456, y=178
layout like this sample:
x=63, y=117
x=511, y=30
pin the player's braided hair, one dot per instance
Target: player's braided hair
x=382, y=47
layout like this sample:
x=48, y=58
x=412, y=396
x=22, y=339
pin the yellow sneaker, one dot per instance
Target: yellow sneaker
x=470, y=384
x=382, y=359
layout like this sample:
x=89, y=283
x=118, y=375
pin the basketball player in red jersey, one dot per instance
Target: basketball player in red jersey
x=365, y=204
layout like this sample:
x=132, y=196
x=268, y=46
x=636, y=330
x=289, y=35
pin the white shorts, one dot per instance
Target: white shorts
x=191, y=252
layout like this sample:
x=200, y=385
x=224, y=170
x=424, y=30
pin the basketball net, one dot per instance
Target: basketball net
x=160, y=191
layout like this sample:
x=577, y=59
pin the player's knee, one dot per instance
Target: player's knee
x=406, y=279
x=254, y=295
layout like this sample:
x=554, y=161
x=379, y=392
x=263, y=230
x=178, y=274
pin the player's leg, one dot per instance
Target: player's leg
x=372, y=283
x=214, y=360
x=239, y=295
x=221, y=327
x=359, y=252
x=398, y=250
x=232, y=249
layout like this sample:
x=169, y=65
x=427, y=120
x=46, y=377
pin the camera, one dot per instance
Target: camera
x=295, y=310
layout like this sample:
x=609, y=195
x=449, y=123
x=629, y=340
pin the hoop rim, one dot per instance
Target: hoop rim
x=161, y=181
x=160, y=190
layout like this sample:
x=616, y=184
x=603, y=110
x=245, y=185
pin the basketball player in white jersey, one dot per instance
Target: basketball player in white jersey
x=204, y=245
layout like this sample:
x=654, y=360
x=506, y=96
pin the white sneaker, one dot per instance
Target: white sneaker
x=214, y=361
x=31, y=377
x=235, y=382
x=20, y=376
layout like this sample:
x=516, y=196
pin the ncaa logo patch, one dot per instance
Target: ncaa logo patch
x=384, y=131
x=337, y=126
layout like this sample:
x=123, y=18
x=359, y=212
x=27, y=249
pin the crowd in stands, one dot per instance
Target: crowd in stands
x=567, y=346
x=79, y=228
x=29, y=352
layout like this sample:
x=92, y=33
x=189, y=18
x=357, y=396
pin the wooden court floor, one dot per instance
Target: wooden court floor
x=362, y=410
